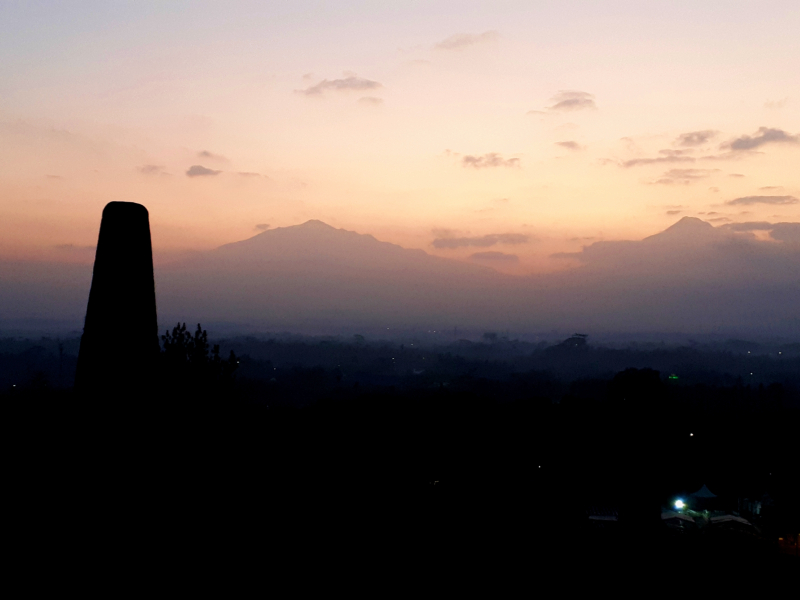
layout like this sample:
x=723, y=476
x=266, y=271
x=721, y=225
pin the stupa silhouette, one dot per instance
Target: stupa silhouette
x=119, y=346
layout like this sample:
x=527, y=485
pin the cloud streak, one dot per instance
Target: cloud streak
x=774, y=200
x=459, y=41
x=570, y=145
x=490, y=160
x=152, y=170
x=351, y=83
x=572, y=100
x=763, y=136
x=495, y=256
x=484, y=241
x=683, y=176
x=780, y=232
x=659, y=160
x=696, y=138
x=201, y=171
x=211, y=156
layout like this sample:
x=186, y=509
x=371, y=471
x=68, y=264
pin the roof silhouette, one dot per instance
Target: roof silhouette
x=703, y=492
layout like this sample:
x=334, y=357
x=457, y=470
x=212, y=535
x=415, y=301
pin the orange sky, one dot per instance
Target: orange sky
x=549, y=126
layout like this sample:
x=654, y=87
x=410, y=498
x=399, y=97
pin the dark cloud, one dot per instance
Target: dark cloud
x=738, y=175
x=771, y=187
x=748, y=200
x=211, y=156
x=683, y=176
x=493, y=159
x=780, y=232
x=764, y=135
x=443, y=232
x=786, y=232
x=750, y=226
x=370, y=101
x=200, y=171
x=482, y=241
x=464, y=40
x=151, y=170
x=570, y=145
x=498, y=256
x=674, y=212
x=696, y=138
x=262, y=226
x=341, y=85
x=570, y=100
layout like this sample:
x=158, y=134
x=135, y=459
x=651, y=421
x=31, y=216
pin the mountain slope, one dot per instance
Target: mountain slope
x=314, y=273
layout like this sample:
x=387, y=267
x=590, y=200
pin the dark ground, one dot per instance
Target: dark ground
x=484, y=462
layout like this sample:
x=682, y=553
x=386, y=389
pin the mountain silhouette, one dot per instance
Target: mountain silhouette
x=687, y=230
x=318, y=275
x=311, y=278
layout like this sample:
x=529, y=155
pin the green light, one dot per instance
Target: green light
x=673, y=377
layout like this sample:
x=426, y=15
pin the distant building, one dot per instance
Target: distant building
x=703, y=499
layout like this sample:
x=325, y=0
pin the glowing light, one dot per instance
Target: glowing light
x=679, y=504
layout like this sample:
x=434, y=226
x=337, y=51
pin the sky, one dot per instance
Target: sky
x=499, y=132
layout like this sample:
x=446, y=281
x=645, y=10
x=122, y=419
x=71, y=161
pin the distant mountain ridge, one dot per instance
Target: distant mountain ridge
x=691, y=277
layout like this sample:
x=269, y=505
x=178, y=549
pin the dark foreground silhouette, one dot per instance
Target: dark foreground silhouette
x=163, y=457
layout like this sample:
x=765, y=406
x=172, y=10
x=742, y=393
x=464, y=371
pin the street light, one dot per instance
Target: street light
x=679, y=504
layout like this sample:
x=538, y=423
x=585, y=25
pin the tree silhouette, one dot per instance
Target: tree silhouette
x=188, y=355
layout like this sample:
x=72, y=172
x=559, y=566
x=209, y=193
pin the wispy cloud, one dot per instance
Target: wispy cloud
x=571, y=100
x=696, y=138
x=152, y=170
x=495, y=256
x=370, y=101
x=460, y=41
x=750, y=200
x=262, y=226
x=484, y=241
x=492, y=159
x=776, y=104
x=211, y=156
x=570, y=145
x=658, y=160
x=683, y=176
x=200, y=171
x=763, y=136
x=351, y=83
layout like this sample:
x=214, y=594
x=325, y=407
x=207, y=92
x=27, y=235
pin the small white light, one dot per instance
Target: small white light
x=679, y=504
x=691, y=435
